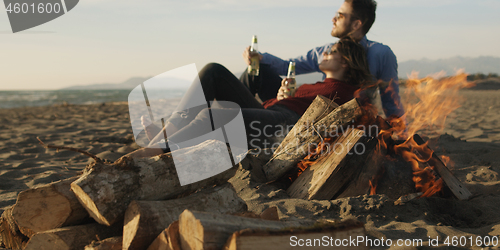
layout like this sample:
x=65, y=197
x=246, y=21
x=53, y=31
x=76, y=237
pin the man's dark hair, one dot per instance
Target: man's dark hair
x=364, y=10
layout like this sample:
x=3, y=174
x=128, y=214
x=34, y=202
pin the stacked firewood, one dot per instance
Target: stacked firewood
x=140, y=203
x=167, y=216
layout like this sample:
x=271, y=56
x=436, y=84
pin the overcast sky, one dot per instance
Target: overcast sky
x=106, y=41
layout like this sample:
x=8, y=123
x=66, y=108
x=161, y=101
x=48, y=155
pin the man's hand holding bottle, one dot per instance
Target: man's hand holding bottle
x=247, y=55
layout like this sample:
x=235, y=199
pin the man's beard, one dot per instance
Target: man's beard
x=344, y=33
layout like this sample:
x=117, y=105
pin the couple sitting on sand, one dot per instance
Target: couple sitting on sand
x=344, y=65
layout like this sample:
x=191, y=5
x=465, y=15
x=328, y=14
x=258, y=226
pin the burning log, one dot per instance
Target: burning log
x=329, y=175
x=106, y=190
x=144, y=220
x=168, y=239
x=113, y=243
x=285, y=239
x=394, y=179
x=364, y=179
x=12, y=238
x=47, y=207
x=453, y=183
x=297, y=142
x=74, y=237
x=199, y=230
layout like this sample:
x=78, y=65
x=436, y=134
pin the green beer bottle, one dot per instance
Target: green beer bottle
x=291, y=84
x=253, y=68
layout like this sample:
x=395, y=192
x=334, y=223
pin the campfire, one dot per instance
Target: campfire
x=399, y=156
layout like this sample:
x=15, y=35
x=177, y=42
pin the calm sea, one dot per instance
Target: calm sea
x=15, y=99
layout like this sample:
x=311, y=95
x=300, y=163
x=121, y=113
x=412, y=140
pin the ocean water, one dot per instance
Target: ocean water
x=15, y=99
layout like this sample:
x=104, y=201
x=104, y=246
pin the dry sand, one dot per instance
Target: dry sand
x=472, y=141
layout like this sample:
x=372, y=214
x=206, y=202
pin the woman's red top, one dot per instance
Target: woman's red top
x=306, y=93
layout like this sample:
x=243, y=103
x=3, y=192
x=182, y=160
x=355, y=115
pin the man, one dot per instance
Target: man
x=354, y=18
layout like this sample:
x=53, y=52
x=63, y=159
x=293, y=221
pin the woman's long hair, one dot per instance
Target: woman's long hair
x=354, y=54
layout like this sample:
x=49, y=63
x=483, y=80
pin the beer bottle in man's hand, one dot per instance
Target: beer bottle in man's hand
x=253, y=68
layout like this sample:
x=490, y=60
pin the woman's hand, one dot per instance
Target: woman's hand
x=282, y=92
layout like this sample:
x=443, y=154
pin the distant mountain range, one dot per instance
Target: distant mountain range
x=482, y=64
x=130, y=84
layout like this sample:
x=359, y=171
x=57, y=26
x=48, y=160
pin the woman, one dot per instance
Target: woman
x=346, y=71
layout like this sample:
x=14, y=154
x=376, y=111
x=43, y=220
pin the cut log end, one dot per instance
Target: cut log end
x=168, y=239
x=48, y=242
x=193, y=228
x=131, y=227
x=10, y=235
x=32, y=207
x=47, y=207
x=89, y=204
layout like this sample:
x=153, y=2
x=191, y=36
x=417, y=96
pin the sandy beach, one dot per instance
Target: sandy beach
x=471, y=138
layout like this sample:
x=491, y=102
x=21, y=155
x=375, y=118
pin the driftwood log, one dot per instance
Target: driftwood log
x=106, y=190
x=113, y=243
x=296, y=144
x=327, y=177
x=250, y=239
x=168, y=239
x=12, y=238
x=47, y=207
x=74, y=237
x=201, y=230
x=144, y=220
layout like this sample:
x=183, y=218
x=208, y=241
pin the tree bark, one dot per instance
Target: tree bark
x=47, y=207
x=200, y=230
x=296, y=144
x=74, y=237
x=106, y=190
x=168, y=239
x=328, y=176
x=144, y=220
x=113, y=243
x=12, y=238
x=250, y=239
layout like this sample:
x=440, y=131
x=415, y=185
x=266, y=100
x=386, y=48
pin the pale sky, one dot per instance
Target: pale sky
x=108, y=41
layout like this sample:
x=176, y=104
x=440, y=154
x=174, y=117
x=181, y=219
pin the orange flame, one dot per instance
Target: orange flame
x=428, y=102
x=448, y=162
x=311, y=158
x=435, y=100
x=373, y=187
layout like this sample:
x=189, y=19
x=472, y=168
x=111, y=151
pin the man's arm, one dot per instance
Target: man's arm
x=307, y=63
x=389, y=94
